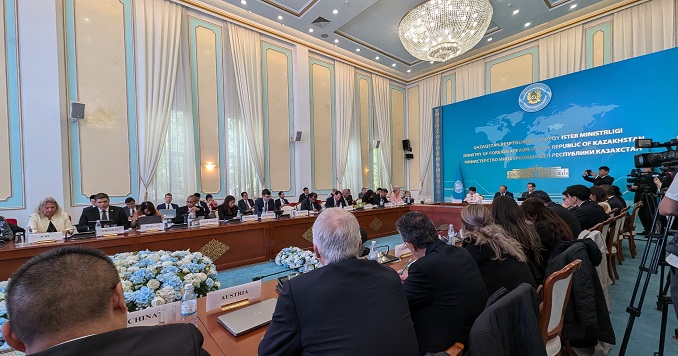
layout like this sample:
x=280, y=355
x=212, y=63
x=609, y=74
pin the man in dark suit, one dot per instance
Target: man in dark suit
x=562, y=211
x=587, y=212
x=245, y=205
x=380, y=197
x=335, y=201
x=130, y=207
x=444, y=287
x=598, y=179
x=530, y=190
x=348, y=198
x=348, y=307
x=311, y=204
x=95, y=325
x=191, y=206
x=104, y=211
x=503, y=190
x=168, y=203
x=265, y=203
x=201, y=203
x=281, y=201
x=303, y=196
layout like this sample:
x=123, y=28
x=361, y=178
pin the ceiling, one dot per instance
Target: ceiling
x=368, y=29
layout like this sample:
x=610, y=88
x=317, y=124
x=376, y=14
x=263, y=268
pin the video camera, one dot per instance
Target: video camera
x=667, y=158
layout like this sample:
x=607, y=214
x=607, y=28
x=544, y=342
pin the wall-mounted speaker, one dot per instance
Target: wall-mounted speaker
x=297, y=136
x=406, y=145
x=77, y=110
x=377, y=143
x=409, y=155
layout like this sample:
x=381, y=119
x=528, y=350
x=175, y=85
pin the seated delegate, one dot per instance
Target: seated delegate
x=104, y=211
x=146, y=214
x=228, y=210
x=48, y=217
x=311, y=203
x=190, y=207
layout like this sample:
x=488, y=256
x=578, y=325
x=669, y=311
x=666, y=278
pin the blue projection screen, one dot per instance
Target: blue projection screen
x=592, y=120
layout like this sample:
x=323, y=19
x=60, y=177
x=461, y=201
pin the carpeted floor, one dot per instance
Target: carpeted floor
x=645, y=333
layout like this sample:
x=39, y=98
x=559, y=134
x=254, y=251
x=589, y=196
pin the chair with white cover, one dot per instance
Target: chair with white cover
x=601, y=269
x=556, y=295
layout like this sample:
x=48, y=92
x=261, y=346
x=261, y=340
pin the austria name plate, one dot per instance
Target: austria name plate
x=217, y=299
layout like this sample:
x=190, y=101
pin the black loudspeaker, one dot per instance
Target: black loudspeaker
x=297, y=137
x=406, y=145
x=409, y=155
x=77, y=110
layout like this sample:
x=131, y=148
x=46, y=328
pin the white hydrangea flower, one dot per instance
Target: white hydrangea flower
x=153, y=284
x=127, y=286
x=157, y=301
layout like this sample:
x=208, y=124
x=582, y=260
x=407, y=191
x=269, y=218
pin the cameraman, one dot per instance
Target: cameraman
x=598, y=179
x=649, y=190
x=669, y=206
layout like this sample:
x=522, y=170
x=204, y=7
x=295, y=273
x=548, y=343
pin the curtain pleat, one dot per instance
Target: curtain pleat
x=429, y=98
x=382, y=129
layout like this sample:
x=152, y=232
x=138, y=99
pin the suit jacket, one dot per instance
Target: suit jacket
x=226, y=213
x=243, y=207
x=329, y=203
x=589, y=214
x=507, y=193
x=615, y=203
x=204, y=205
x=307, y=205
x=525, y=195
x=349, y=200
x=164, y=206
x=598, y=180
x=352, y=307
x=259, y=206
x=302, y=197
x=279, y=203
x=444, y=285
x=129, y=212
x=179, y=219
x=172, y=339
x=115, y=214
x=568, y=216
x=379, y=200
x=61, y=222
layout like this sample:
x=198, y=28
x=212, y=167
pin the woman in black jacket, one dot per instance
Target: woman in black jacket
x=500, y=258
x=227, y=210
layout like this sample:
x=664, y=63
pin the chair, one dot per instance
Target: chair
x=611, y=242
x=12, y=221
x=556, y=295
x=620, y=230
x=456, y=350
x=631, y=232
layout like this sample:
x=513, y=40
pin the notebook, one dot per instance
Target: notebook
x=249, y=318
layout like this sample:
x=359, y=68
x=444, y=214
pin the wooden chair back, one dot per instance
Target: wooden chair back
x=556, y=295
x=456, y=350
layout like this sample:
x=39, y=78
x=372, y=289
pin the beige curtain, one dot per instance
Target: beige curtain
x=561, y=53
x=344, y=84
x=429, y=98
x=470, y=80
x=382, y=129
x=642, y=29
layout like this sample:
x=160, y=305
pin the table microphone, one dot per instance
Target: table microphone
x=271, y=274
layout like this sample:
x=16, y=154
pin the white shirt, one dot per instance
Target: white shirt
x=474, y=198
x=672, y=193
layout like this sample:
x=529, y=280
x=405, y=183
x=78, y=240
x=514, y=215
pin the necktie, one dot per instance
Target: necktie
x=265, y=206
x=104, y=216
x=51, y=227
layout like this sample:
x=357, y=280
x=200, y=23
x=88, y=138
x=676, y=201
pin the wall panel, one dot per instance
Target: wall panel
x=208, y=105
x=448, y=93
x=278, y=106
x=513, y=70
x=322, y=126
x=413, y=135
x=364, y=102
x=598, y=45
x=397, y=135
x=100, y=61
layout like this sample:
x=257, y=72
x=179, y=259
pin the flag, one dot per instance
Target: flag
x=458, y=184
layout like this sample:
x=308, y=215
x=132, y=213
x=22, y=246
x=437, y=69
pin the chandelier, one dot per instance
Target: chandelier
x=438, y=30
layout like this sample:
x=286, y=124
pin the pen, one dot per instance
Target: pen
x=406, y=265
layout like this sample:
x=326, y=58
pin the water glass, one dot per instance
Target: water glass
x=19, y=239
x=167, y=315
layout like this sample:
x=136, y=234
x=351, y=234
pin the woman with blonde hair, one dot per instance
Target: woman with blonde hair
x=48, y=217
x=500, y=258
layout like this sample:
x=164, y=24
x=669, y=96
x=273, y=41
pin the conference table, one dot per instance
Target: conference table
x=219, y=341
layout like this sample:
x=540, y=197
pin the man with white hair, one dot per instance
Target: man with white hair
x=350, y=306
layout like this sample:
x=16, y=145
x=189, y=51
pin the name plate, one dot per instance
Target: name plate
x=302, y=213
x=400, y=203
x=162, y=314
x=428, y=201
x=401, y=250
x=246, y=218
x=152, y=227
x=110, y=231
x=208, y=222
x=44, y=237
x=247, y=291
x=268, y=215
x=348, y=208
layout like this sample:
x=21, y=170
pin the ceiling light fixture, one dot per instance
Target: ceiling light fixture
x=573, y=6
x=438, y=30
x=244, y=2
x=335, y=11
x=409, y=70
x=393, y=65
x=515, y=12
x=489, y=39
x=357, y=49
x=280, y=17
x=336, y=41
x=527, y=24
x=310, y=30
x=376, y=58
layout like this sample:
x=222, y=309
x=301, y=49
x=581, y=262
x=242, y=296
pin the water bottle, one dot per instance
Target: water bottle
x=29, y=231
x=450, y=235
x=238, y=215
x=189, y=306
x=308, y=267
x=98, y=224
x=191, y=219
x=373, y=251
x=451, y=198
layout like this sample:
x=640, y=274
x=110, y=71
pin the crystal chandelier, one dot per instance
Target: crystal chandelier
x=438, y=30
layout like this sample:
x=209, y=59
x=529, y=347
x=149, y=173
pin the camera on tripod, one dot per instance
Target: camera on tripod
x=642, y=179
x=650, y=160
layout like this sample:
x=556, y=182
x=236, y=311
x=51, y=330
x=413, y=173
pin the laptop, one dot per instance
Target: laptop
x=249, y=318
x=168, y=213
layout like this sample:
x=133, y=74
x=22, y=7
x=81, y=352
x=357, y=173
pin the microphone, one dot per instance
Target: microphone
x=271, y=274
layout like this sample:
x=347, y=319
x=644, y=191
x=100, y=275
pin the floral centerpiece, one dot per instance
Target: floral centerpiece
x=152, y=278
x=359, y=204
x=3, y=309
x=296, y=258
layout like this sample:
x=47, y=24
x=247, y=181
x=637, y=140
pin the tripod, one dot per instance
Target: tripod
x=654, y=251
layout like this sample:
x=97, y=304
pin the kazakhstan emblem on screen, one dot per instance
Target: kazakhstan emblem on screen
x=534, y=97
